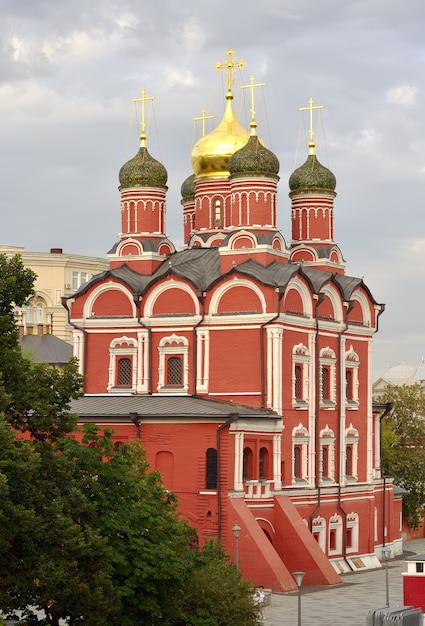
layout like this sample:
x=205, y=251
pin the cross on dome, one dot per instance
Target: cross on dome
x=203, y=117
x=310, y=108
x=230, y=66
x=143, y=99
x=251, y=86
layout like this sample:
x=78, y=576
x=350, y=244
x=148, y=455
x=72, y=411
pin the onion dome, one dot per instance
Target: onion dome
x=143, y=170
x=211, y=154
x=188, y=188
x=312, y=176
x=254, y=159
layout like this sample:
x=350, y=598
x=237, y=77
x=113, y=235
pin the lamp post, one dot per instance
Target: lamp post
x=299, y=580
x=236, y=530
x=386, y=553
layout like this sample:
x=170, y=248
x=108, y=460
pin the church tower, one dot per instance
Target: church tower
x=312, y=193
x=143, y=244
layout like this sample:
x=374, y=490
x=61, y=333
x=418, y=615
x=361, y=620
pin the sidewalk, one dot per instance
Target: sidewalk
x=346, y=604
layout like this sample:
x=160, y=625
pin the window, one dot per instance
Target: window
x=263, y=463
x=122, y=365
x=349, y=460
x=217, y=213
x=28, y=314
x=297, y=462
x=39, y=313
x=175, y=370
x=325, y=461
x=327, y=454
x=335, y=534
x=124, y=372
x=327, y=377
x=351, y=452
x=300, y=376
x=351, y=379
x=419, y=568
x=75, y=280
x=247, y=464
x=211, y=469
x=300, y=442
x=349, y=384
x=83, y=278
x=298, y=383
x=326, y=387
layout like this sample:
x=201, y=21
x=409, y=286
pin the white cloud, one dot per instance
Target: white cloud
x=402, y=94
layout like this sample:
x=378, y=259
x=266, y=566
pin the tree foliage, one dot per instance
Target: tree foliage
x=88, y=535
x=403, y=446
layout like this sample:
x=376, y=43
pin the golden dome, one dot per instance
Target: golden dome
x=211, y=154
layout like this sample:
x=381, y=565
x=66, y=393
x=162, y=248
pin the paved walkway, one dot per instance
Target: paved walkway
x=346, y=604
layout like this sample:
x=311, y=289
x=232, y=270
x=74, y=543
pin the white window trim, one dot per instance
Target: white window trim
x=352, y=363
x=335, y=523
x=319, y=528
x=353, y=524
x=352, y=439
x=116, y=350
x=301, y=357
x=300, y=439
x=327, y=438
x=175, y=346
x=327, y=359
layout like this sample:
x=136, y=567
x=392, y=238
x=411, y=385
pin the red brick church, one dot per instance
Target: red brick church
x=242, y=362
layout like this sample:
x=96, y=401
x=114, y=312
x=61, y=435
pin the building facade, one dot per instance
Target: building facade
x=59, y=275
x=243, y=363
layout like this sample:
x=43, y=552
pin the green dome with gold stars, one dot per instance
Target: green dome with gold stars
x=143, y=171
x=254, y=159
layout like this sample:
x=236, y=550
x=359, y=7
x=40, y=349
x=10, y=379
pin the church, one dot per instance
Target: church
x=242, y=363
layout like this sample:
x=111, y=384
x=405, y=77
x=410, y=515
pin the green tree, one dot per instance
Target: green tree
x=215, y=593
x=403, y=446
x=88, y=534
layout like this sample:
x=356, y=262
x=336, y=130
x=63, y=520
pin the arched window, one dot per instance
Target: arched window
x=263, y=464
x=247, y=464
x=39, y=313
x=124, y=372
x=211, y=469
x=175, y=371
x=217, y=213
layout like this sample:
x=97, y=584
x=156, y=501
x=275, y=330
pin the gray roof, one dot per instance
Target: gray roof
x=202, y=267
x=110, y=406
x=46, y=349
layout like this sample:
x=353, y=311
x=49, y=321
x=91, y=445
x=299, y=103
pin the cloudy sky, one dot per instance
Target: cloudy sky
x=70, y=69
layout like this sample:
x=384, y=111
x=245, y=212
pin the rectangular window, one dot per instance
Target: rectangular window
x=326, y=383
x=75, y=280
x=298, y=383
x=175, y=371
x=83, y=278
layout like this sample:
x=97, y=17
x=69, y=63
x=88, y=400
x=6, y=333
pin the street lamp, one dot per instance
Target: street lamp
x=236, y=530
x=299, y=580
x=386, y=553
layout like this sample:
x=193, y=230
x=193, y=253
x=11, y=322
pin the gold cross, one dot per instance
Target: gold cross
x=252, y=86
x=310, y=108
x=144, y=98
x=229, y=66
x=203, y=118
